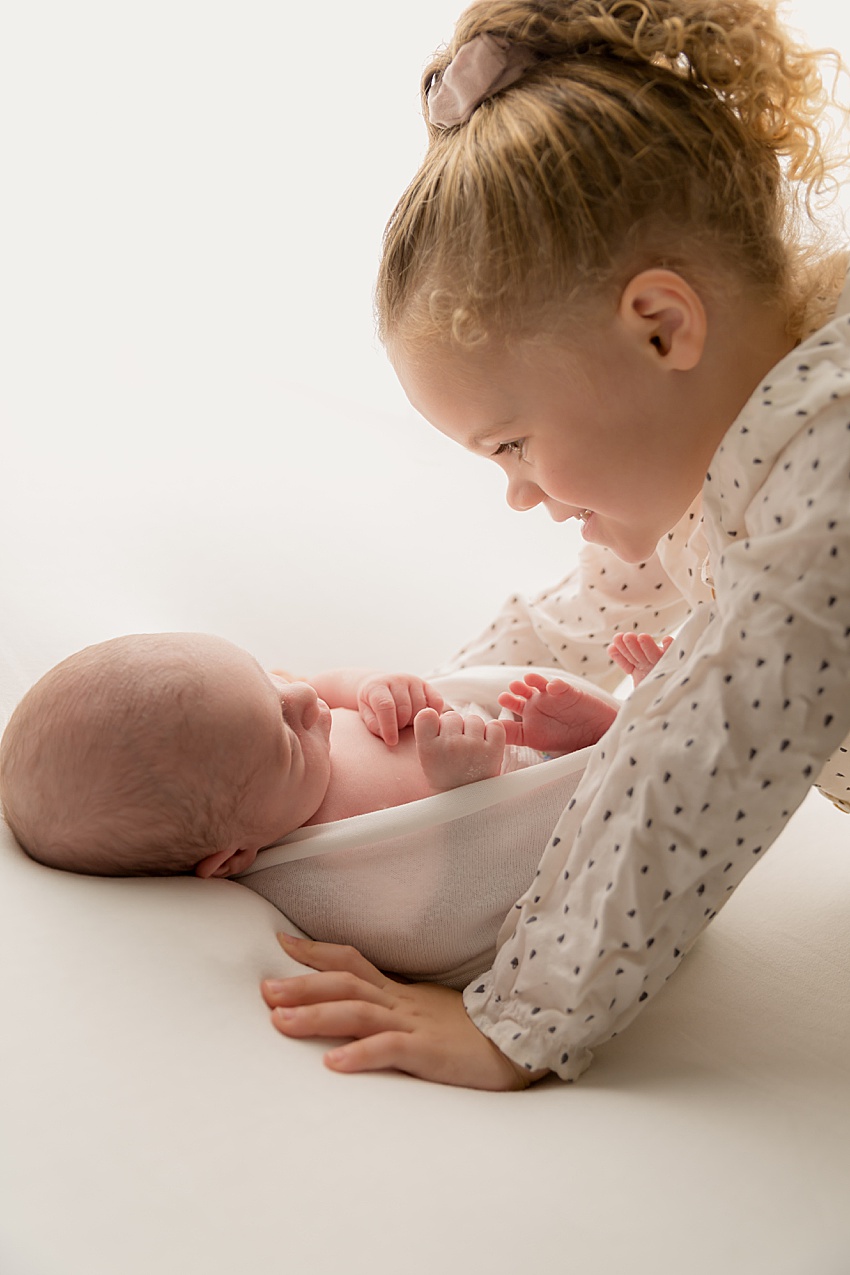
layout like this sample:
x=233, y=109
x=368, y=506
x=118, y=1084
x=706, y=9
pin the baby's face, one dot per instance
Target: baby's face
x=291, y=786
x=276, y=732
x=300, y=777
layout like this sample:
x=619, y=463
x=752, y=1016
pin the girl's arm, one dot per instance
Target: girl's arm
x=696, y=778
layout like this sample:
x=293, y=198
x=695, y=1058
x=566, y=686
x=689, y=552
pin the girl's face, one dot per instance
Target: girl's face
x=610, y=436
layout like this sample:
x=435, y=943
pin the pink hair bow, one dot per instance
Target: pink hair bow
x=481, y=68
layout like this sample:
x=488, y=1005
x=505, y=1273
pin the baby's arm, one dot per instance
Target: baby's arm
x=637, y=653
x=387, y=702
x=556, y=716
x=455, y=750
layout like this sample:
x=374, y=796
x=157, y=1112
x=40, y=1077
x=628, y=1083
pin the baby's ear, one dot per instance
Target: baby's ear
x=225, y=863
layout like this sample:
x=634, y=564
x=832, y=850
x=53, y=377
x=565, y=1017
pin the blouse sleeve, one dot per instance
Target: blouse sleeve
x=570, y=625
x=702, y=769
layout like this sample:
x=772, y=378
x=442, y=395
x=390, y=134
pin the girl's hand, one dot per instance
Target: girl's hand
x=387, y=702
x=455, y=750
x=417, y=1028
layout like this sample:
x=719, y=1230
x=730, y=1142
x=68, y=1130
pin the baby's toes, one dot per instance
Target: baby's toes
x=426, y=725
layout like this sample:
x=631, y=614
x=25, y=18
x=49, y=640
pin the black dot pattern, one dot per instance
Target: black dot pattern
x=571, y=625
x=714, y=751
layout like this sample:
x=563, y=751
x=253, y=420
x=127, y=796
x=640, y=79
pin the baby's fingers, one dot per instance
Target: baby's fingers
x=652, y=650
x=433, y=699
x=536, y=681
x=620, y=658
x=521, y=689
x=512, y=703
x=421, y=696
x=558, y=686
x=380, y=715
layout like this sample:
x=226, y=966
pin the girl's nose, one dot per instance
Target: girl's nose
x=522, y=494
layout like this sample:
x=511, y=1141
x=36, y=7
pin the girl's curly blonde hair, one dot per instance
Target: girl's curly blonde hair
x=691, y=134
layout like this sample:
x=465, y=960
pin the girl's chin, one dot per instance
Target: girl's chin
x=627, y=549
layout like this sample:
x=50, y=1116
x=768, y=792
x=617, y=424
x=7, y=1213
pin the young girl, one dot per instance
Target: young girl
x=609, y=277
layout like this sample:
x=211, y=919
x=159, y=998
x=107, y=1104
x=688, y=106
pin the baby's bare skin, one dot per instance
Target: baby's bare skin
x=555, y=716
x=366, y=773
x=444, y=750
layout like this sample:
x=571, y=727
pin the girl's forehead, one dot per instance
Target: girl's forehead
x=499, y=370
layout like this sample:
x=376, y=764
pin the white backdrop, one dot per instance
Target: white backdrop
x=199, y=429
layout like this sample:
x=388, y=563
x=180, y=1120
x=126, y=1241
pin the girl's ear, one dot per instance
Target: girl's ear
x=666, y=317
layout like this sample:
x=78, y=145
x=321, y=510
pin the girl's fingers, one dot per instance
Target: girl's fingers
x=447, y=1059
x=335, y=1018
x=315, y=989
x=536, y=681
x=401, y=1051
x=333, y=956
x=374, y=1053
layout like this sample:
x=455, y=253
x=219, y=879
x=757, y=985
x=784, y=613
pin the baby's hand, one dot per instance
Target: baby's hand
x=637, y=653
x=556, y=716
x=387, y=702
x=455, y=750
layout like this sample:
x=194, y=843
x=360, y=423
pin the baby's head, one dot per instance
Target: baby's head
x=621, y=137
x=162, y=753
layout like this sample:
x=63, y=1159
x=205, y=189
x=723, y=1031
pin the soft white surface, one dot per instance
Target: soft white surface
x=199, y=432
x=153, y=1121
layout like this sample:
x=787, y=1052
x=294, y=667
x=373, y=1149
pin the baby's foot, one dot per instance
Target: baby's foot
x=455, y=750
x=557, y=717
x=637, y=653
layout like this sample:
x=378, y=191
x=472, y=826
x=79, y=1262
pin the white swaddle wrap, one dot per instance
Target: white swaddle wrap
x=422, y=889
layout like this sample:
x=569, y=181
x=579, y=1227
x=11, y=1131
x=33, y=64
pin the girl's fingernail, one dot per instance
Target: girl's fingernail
x=285, y=1015
x=273, y=985
x=284, y=939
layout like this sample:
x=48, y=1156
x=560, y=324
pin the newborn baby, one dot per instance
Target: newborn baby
x=176, y=752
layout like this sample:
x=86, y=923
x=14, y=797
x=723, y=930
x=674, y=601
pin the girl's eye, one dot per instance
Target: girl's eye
x=514, y=448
